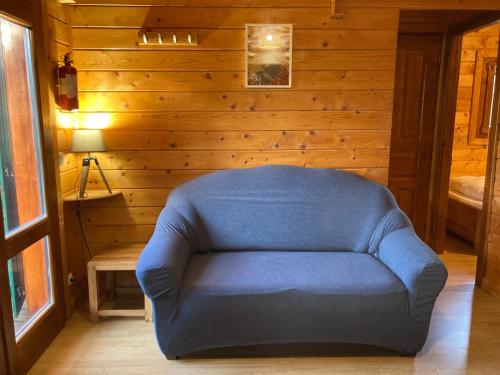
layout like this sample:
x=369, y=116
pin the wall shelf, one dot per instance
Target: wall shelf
x=92, y=195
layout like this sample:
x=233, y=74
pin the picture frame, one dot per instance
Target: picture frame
x=268, y=55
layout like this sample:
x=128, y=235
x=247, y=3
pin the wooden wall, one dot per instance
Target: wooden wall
x=491, y=280
x=470, y=160
x=172, y=115
x=59, y=43
x=179, y=113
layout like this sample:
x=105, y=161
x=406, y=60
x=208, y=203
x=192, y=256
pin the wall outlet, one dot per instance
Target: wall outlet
x=71, y=279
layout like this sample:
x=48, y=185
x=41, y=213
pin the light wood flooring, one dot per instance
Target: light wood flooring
x=464, y=338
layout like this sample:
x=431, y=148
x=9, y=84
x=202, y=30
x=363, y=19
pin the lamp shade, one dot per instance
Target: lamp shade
x=87, y=140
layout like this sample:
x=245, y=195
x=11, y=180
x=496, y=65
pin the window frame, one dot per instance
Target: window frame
x=21, y=354
x=476, y=134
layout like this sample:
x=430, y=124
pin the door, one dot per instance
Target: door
x=414, y=119
x=31, y=303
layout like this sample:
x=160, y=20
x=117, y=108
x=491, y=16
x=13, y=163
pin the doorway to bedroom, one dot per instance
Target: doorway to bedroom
x=473, y=121
x=444, y=123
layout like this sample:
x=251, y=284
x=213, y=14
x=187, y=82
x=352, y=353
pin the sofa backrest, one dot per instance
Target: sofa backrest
x=282, y=208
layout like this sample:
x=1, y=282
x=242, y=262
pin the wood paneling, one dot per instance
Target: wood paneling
x=367, y=100
x=220, y=61
x=269, y=120
x=59, y=38
x=177, y=113
x=229, y=81
x=136, y=140
x=229, y=17
x=488, y=272
x=491, y=281
x=233, y=39
x=470, y=159
x=59, y=44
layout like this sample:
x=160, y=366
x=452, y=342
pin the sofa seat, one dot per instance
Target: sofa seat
x=229, y=298
x=244, y=273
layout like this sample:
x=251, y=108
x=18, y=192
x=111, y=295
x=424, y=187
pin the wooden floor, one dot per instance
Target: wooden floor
x=464, y=339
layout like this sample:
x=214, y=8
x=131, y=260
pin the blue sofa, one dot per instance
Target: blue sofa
x=282, y=254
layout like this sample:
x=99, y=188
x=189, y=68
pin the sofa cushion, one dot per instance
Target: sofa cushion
x=281, y=208
x=259, y=272
x=247, y=298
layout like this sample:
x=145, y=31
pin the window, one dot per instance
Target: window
x=29, y=283
x=482, y=98
x=21, y=176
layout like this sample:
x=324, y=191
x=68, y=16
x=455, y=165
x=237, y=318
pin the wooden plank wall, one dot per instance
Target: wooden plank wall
x=176, y=114
x=470, y=160
x=72, y=254
x=59, y=39
x=491, y=281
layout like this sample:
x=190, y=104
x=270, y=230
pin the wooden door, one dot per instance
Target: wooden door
x=32, y=310
x=4, y=366
x=414, y=119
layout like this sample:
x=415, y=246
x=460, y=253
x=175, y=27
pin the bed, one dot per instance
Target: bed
x=465, y=203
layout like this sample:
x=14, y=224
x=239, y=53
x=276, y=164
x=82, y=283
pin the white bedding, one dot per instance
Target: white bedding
x=468, y=189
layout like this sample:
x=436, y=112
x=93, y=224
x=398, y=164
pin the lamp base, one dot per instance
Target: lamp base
x=85, y=175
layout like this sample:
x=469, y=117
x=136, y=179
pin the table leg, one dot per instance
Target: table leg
x=148, y=310
x=93, y=293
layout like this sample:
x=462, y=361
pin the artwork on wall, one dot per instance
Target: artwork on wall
x=268, y=57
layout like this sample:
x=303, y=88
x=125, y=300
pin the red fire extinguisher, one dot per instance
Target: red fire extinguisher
x=68, y=85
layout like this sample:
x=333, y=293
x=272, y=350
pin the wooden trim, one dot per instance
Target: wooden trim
x=475, y=23
x=444, y=142
x=7, y=336
x=4, y=365
x=20, y=241
x=50, y=154
x=489, y=184
x=42, y=333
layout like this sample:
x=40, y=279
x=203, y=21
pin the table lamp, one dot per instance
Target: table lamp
x=88, y=140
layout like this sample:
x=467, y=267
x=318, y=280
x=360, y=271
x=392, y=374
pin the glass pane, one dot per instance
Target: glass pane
x=30, y=285
x=21, y=181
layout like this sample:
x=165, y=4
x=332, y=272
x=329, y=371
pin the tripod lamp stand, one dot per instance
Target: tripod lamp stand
x=88, y=140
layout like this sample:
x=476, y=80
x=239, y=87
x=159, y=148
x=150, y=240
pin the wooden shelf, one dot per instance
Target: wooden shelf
x=92, y=195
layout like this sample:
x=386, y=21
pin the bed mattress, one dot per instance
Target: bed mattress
x=468, y=190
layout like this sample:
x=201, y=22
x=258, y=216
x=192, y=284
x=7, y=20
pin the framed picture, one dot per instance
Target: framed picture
x=268, y=55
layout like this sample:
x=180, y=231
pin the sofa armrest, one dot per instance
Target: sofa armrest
x=417, y=266
x=163, y=261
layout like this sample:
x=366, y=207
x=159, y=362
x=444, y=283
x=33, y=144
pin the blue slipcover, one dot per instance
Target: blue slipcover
x=282, y=254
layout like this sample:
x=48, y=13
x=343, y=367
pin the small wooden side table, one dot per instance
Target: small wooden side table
x=114, y=258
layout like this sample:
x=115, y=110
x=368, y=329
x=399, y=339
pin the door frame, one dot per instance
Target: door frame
x=23, y=354
x=443, y=145
x=489, y=183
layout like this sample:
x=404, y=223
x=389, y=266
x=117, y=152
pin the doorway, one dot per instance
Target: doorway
x=442, y=126
x=473, y=121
